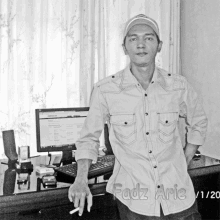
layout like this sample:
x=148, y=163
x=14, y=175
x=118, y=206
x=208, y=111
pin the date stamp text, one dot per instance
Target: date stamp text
x=208, y=194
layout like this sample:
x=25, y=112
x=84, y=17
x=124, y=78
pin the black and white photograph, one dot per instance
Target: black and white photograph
x=110, y=109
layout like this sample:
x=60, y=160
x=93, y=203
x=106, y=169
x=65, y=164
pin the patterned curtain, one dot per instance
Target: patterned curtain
x=53, y=51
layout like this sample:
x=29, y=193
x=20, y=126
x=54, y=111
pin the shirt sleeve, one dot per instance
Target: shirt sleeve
x=192, y=110
x=88, y=143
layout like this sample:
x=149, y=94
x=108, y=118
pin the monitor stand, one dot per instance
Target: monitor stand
x=51, y=163
x=67, y=157
x=56, y=160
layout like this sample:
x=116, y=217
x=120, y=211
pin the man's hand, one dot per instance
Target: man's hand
x=190, y=151
x=78, y=193
x=79, y=190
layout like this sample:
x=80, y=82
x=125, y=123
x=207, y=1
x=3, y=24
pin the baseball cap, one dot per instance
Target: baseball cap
x=141, y=19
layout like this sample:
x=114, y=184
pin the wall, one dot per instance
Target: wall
x=200, y=61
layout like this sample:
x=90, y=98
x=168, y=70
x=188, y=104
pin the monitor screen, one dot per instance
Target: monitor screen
x=57, y=129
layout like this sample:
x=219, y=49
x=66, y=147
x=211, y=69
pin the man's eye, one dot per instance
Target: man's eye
x=149, y=38
x=133, y=39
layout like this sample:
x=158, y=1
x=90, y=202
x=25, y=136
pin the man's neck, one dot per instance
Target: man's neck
x=143, y=75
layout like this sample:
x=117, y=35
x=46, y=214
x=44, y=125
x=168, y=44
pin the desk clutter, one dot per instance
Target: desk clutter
x=21, y=161
x=41, y=169
x=56, y=170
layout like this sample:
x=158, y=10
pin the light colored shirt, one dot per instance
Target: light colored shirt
x=150, y=165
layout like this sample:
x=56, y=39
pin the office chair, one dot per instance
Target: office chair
x=108, y=146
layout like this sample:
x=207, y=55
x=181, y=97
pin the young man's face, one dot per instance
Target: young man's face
x=141, y=45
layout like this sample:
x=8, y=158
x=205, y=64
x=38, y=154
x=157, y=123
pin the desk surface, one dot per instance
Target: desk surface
x=17, y=197
x=9, y=185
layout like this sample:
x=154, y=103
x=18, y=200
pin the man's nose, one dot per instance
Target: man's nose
x=140, y=43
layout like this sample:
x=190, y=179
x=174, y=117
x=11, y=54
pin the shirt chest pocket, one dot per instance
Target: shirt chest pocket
x=124, y=128
x=167, y=122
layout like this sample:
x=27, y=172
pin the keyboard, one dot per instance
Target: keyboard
x=104, y=165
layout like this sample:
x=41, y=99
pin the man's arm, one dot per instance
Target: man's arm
x=87, y=149
x=83, y=169
x=196, y=121
x=190, y=151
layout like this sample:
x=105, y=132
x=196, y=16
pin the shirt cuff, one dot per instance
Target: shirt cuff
x=195, y=137
x=86, y=154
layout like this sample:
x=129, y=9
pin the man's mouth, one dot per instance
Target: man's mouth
x=142, y=54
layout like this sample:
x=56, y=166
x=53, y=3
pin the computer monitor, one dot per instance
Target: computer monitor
x=57, y=129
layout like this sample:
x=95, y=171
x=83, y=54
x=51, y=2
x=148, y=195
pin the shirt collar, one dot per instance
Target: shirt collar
x=128, y=79
x=160, y=76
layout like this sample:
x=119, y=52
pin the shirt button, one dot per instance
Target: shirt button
x=158, y=186
x=113, y=76
x=126, y=123
x=146, y=113
x=150, y=151
x=152, y=82
x=147, y=133
x=145, y=94
x=155, y=166
x=169, y=74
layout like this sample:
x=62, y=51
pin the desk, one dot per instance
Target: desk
x=36, y=202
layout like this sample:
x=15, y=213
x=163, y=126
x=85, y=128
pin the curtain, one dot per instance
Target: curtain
x=53, y=51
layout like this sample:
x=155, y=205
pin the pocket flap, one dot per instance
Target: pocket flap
x=168, y=118
x=165, y=111
x=122, y=119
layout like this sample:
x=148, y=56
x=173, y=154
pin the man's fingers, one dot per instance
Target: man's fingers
x=70, y=196
x=89, y=202
x=77, y=199
x=82, y=203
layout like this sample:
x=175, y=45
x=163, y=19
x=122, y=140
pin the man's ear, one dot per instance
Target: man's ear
x=159, y=46
x=124, y=49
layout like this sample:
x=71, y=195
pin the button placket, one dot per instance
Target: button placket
x=147, y=119
x=154, y=163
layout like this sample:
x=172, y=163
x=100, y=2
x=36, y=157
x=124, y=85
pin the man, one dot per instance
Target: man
x=142, y=105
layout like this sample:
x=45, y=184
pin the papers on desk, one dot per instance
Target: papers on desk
x=44, y=170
